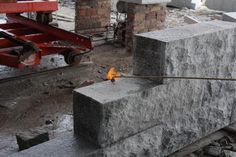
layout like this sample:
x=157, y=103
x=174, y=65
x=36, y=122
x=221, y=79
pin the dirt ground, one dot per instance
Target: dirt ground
x=46, y=101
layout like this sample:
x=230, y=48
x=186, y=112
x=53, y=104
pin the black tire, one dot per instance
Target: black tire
x=44, y=18
x=72, y=58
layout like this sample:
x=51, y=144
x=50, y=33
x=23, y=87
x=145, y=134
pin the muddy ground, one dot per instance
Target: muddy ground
x=46, y=100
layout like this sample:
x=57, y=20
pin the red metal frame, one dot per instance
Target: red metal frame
x=43, y=36
x=29, y=6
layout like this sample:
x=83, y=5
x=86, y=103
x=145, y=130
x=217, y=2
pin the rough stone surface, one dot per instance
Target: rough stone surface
x=31, y=138
x=231, y=17
x=185, y=111
x=204, y=49
x=146, y=1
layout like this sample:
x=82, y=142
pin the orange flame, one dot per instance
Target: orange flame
x=113, y=74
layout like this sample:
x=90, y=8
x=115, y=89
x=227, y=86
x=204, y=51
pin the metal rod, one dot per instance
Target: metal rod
x=178, y=78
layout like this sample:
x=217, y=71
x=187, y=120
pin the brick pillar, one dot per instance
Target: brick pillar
x=92, y=15
x=143, y=18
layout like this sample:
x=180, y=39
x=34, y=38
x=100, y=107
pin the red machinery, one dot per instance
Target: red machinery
x=23, y=42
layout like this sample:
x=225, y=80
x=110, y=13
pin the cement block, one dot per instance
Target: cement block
x=231, y=17
x=146, y=1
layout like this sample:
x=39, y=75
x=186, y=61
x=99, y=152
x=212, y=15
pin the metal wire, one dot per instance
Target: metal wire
x=178, y=78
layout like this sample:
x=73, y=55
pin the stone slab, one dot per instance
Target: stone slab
x=231, y=17
x=65, y=146
x=31, y=138
x=146, y=1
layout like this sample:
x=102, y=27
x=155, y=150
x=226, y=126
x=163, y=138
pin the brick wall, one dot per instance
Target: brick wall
x=92, y=15
x=143, y=18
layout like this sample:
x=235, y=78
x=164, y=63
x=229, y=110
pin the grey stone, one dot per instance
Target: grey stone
x=192, y=4
x=175, y=113
x=229, y=153
x=213, y=151
x=31, y=138
x=146, y=1
x=186, y=110
x=65, y=146
x=201, y=49
x=231, y=17
x=223, y=5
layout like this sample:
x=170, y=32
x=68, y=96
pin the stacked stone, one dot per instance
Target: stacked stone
x=136, y=117
x=92, y=15
x=143, y=18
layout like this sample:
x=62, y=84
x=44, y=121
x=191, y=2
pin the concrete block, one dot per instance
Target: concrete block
x=223, y=5
x=231, y=17
x=146, y=1
x=31, y=138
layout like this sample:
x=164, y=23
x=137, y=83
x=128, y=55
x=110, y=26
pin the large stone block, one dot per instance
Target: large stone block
x=185, y=110
x=204, y=49
x=119, y=116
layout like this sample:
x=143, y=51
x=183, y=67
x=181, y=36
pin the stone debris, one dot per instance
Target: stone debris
x=31, y=138
x=190, y=20
x=231, y=17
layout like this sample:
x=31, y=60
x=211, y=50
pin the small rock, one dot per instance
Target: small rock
x=213, y=151
x=87, y=83
x=52, y=60
x=229, y=153
x=31, y=138
x=48, y=122
x=233, y=146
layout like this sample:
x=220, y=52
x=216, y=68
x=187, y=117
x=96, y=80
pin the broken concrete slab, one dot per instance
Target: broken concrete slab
x=231, y=17
x=31, y=138
x=107, y=113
